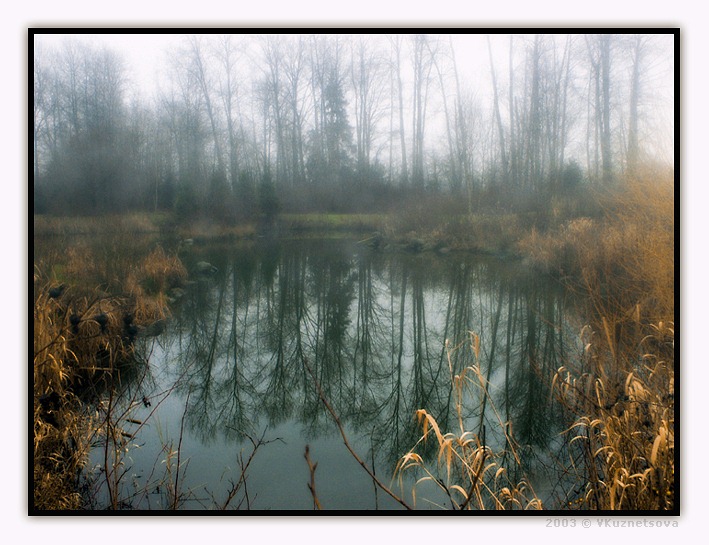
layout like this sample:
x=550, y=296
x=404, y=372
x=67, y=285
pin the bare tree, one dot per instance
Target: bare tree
x=638, y=53
x=197, y=66
x=367, y=71
x=498, y=115
x=605, y=62
x=294, y=72
x=273, y=57
x=396, y=43
x=310, y=112
x=227, y=54
x=81, y=113
x=422, y=66
x=453, y=147
x=599, y=54
x=41, y=111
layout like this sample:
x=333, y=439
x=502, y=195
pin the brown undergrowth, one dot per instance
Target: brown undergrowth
x=83, y=338
x=618, y=396
x=624, y=259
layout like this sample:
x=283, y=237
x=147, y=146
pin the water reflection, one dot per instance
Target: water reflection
x=373, y=328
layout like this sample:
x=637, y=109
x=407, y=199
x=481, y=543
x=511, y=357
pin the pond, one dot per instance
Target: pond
x=237, y=369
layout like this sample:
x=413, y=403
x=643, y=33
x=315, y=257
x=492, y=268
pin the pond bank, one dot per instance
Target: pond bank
x=90, y=307
x=624, y=264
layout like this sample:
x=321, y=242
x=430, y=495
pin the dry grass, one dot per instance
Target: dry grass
x=81, y=336
x=208, y=230
x=625, y=259
x=622, y=440
x=61, y=426
x=648, y=203
x=135, y=223
x=60, y=454
x=156, y=274
x=470, y=473
x=619, y=397
x=60, y=435
x=483, y=233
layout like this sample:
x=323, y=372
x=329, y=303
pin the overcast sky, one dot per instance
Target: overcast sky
x=148, y=57
x=145, y=54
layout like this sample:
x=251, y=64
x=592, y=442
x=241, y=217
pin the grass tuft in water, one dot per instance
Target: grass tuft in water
x=470, y=473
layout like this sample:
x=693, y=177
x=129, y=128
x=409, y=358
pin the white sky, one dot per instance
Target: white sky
x=147, y=57
x=145, y=53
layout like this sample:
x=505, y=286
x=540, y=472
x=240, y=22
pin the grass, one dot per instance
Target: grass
x=621, y=394
x=67, y=354
x=415, y=225
x=205, y=230
x=314, y=222
x=618, y=397
x=623, y=258
x=83, y=337
x=470, y=473
x=622, y=441
x=130, y=223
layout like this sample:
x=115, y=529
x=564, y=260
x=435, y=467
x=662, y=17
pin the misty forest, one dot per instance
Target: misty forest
x=353, y=272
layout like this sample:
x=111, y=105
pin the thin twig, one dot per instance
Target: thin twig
x=179, y=451
x=244, y=466
x=347, y=443
x=311, y=485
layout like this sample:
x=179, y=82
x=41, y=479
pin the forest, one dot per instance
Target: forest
x=243, y=126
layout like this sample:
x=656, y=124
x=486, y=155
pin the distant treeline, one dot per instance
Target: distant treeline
x=248, y=125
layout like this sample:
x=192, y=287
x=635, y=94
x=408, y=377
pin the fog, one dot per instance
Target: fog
x=157, y=157
x=233, y=126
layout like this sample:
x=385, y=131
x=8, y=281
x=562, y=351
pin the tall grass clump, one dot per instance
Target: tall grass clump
x=622, y=441
x=619, y=397
x=470, y=474
x=83, y=344
x=61, y=428
x=157, y=273
x=84, y=340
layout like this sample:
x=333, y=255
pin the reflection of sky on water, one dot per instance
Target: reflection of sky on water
x=372, y=328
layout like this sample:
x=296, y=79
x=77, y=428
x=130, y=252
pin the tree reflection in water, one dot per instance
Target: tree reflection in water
x=373, y=327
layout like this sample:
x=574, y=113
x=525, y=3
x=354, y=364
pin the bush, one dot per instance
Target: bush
x=269, y=203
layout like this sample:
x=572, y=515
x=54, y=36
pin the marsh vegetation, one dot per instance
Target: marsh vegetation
x=296, y=294
x=565, y=378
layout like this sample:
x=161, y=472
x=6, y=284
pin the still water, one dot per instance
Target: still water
x=380, y=332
